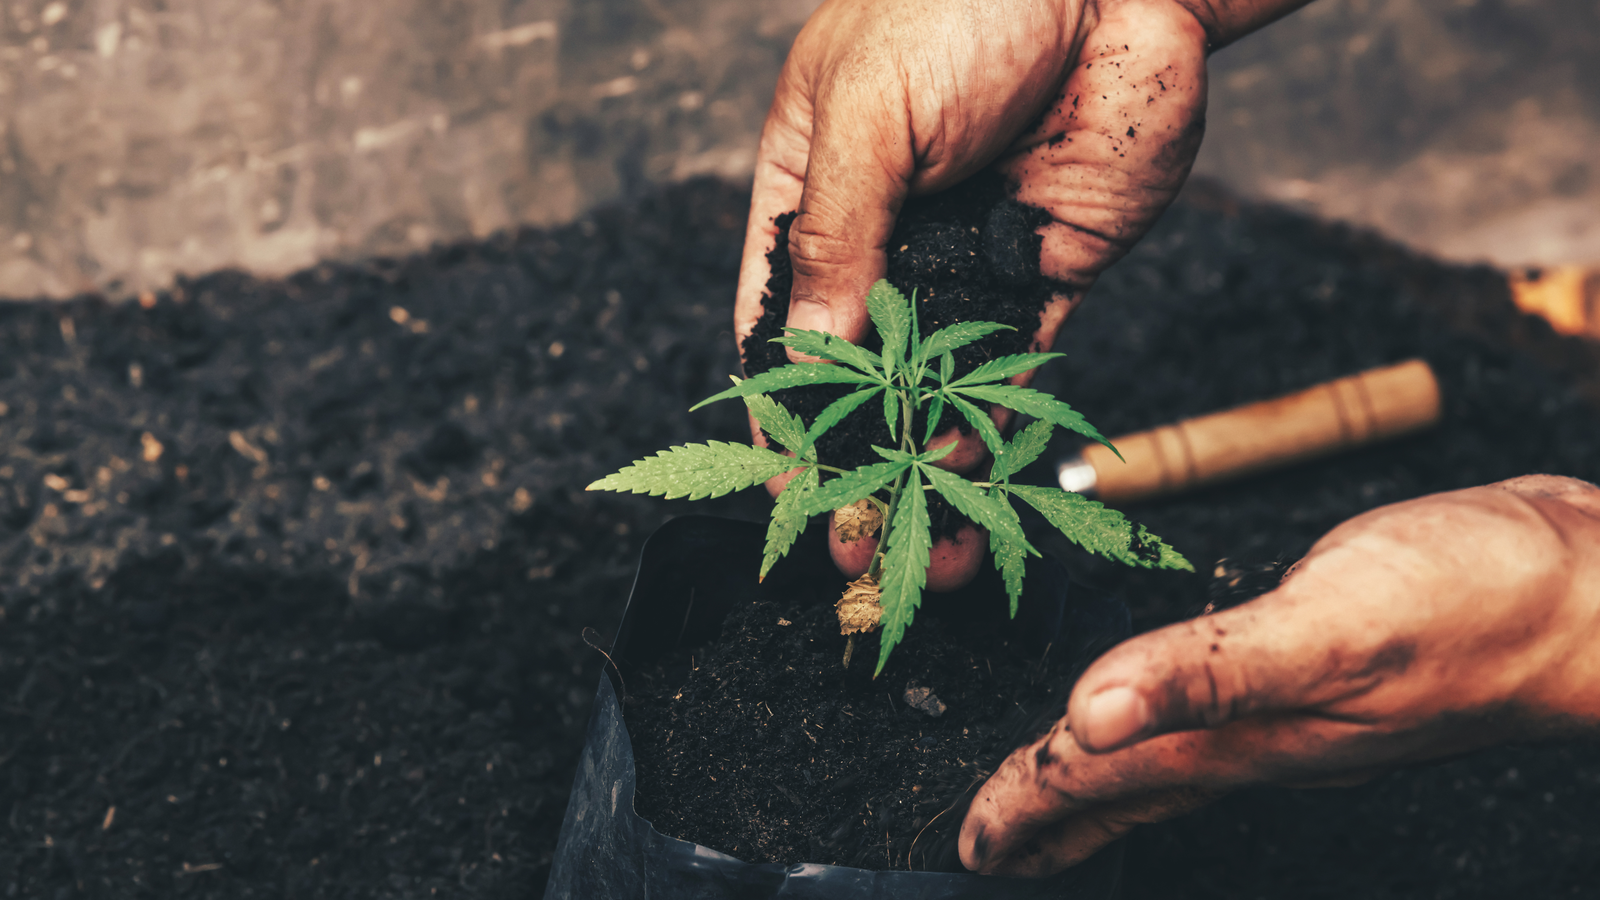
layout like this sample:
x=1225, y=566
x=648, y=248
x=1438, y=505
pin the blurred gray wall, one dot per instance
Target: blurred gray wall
x=139, y=138
x=1470, y=128
x=144, y=138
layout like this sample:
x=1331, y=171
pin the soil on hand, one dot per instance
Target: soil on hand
x=768, y=749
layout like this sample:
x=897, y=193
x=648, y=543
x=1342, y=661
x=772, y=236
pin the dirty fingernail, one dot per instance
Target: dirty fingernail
x=1115, y=716
x=811, y=315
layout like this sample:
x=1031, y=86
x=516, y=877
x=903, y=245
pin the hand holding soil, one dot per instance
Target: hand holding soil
x=1093, y=110
x=1096, y=108
x=1417, y=631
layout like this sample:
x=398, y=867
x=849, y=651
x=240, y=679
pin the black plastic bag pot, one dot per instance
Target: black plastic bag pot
x=691, y=573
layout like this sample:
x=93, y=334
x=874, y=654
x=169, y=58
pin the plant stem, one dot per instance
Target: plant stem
x=907, y=411
x=908, y=408
x=883, y=532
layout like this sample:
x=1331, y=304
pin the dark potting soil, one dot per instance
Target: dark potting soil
x=318, y=634
x=186, y=607
x=764, y=746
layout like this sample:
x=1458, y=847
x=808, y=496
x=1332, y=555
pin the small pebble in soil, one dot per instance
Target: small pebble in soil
x=924, y=699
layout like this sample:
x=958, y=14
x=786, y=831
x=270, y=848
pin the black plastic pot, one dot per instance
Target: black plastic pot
x=691, y=573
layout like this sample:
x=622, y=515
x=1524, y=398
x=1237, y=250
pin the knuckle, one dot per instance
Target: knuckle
x=1218, y=703
x=815, y=251
x=1210, y=690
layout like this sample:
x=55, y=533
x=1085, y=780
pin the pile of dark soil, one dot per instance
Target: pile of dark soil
x=368, y=522
x=293, y=573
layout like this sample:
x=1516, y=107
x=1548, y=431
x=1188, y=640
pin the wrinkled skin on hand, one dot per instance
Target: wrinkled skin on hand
x=880, y=99
x=1413, y=632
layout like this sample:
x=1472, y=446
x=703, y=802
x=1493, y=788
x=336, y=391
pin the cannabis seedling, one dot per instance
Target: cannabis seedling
x=910, y=374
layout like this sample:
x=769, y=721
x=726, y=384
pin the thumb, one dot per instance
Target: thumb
x=857, y=173
x=1259, y=657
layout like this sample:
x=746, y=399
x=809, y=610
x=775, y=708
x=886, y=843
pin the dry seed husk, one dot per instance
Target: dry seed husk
x=856, y=521
x=859, y=610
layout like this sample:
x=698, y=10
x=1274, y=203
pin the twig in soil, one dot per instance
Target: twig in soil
x=592, y=638
x=913, y=848
x=684, y=626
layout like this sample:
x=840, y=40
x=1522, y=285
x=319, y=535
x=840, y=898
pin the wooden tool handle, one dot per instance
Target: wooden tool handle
x=1336, y=415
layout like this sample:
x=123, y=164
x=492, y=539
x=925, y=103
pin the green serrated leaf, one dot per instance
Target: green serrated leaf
x=853, y=486
x=905, y=567
x=788, y=518
x=836, y=412
x=1010, y=558
x=954, y=337
x=1026, y=446
x=988, y=510
x=891, y=412
x=935, y=412
x=891, y=315
x=926, y=456
x=830, y=346
x=1097, y=529
x=698, y=471
x=793, y=375
x=784, y=427
x=915, y=331
x=947, y=367
x=1005, y=367
x=981, y=423
x=1036, y=404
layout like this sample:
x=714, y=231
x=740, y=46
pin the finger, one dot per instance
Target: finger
x=779, y=179
x=776, y=483
x=952, y=562
x=1417, y=614
x=1046, y=782
x=1114, y=149
x=1080, y=836
x=1308, y=644
x=856, y=177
